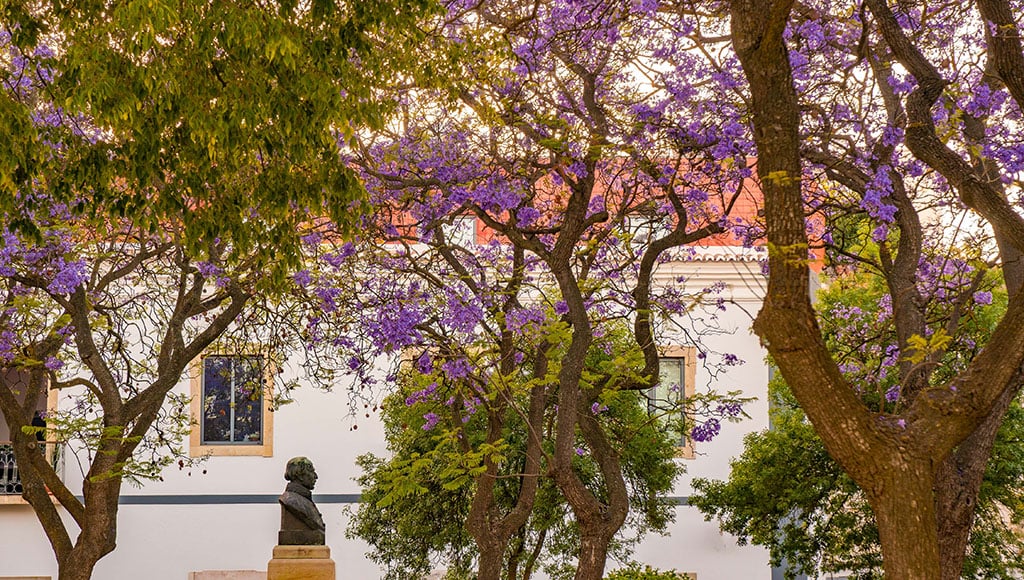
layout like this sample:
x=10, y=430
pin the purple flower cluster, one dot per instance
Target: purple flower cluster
x=706, y=431
x=9, y=345
x=525, y=320
x=430, y=420
x=729, y=409
x=423, y=395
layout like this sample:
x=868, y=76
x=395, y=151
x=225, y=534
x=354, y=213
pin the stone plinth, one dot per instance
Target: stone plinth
x=301, y=563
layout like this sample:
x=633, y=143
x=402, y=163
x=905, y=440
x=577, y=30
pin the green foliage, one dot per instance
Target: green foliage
x=646, y=573
x=224, y=117
x=416, y=503
x=786, y=493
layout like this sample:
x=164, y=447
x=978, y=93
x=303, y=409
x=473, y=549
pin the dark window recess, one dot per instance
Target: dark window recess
x=233, y=400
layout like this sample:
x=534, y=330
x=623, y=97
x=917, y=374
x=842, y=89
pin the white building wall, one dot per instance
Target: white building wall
x=227, y=517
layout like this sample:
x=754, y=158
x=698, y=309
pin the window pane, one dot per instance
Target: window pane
x=216, y=399
x=666, y=397
x=462, y=232
x=248, y=400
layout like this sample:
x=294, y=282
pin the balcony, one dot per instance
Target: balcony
x=10, y=479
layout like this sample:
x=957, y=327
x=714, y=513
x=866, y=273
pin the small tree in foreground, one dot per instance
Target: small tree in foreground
x=785, y=493
x=416, y=502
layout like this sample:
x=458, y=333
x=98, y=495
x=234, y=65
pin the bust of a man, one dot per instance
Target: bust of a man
x=301, y=522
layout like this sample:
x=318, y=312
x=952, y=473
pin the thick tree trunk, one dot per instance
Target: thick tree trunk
x=904, y=506
x=78, y=565
x=99, y=534
x=594, y=541
x=957, y=484
x=873, y=451
x=920, y=485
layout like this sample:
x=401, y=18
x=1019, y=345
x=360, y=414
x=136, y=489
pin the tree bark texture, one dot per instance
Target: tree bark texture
x=894, y=459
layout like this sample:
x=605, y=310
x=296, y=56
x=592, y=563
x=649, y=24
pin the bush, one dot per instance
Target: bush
x=634, y=572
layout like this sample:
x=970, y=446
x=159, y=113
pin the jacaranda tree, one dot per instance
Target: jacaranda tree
x=517, y=219
x=924, y=95
x=786, y=493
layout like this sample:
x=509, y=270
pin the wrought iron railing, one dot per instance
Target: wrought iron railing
x=10, y=479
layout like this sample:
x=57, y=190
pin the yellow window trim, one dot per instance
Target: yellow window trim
x=689, y=356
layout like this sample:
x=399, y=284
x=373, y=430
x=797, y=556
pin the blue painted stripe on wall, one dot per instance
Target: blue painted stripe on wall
x=227, y=499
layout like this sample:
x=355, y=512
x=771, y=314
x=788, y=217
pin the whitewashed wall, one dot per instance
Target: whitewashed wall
x=228, y=517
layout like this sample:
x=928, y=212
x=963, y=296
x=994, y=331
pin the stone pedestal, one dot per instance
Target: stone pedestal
x=301, y=563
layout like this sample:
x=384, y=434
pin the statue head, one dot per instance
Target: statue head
x=301, y=471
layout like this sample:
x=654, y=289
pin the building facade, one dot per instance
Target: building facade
x=223, y=514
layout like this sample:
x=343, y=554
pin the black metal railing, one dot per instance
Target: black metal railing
x=10, y=479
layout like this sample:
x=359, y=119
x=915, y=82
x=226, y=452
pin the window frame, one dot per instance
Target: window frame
x=463, y=231
x=50, y=449
x=199, y=448
x=688, y=355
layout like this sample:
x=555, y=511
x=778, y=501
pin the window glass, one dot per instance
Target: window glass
x=665, y=399
x=462, y=232
x=232, y=399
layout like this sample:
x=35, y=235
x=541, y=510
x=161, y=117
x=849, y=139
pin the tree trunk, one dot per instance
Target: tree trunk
x=78, y=565
x=490, y=561
x=904, y=505
x=594, y=541
x=491, y=529
x=99, y=534
x=957, y=484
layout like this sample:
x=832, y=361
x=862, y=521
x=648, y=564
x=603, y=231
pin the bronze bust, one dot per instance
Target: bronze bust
x=301, y=522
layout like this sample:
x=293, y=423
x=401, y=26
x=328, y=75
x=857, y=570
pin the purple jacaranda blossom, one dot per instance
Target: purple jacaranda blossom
x=393, y=326
x=422, y=395
x=527, y=216
x=68, y=276
x=730, y=409
x=312, y=239
x=303, y=278
x=431, y=419
x=425, y=364
x=524, y=319
x=8, y=346
x=337, y=259
x=457, y=369
x=208, y=269
x=462, y=315
x=706, y=431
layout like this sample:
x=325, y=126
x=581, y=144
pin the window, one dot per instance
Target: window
x=644, y=229
x=666, y=400
x=10, y=478
x=462, y=232
x=231, y=406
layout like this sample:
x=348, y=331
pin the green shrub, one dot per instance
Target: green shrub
x=634, y=572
